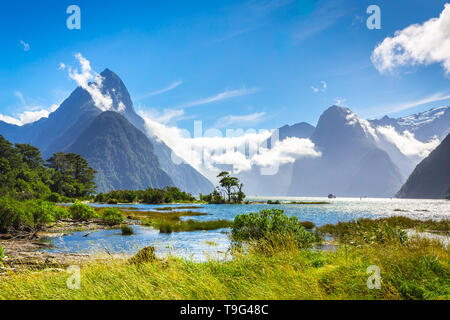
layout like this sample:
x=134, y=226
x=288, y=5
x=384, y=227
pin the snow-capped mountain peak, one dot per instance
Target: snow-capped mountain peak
x=423, y=118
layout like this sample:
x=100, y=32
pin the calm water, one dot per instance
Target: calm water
x=214, y=244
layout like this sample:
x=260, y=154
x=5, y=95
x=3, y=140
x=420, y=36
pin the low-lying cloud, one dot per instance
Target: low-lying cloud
x=239, y=149
x=31, y=114
x=407, y=143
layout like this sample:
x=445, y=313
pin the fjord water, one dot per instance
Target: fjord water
x=201, y=245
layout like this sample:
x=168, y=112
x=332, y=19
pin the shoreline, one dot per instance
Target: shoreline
x=26, y=250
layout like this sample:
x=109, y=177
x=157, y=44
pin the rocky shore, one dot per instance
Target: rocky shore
x=27, y=250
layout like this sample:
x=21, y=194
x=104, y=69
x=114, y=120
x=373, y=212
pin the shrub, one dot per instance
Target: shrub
x=31, y=213
x=127, y=230
x=13, y=214
x=61, y=213
x=54, y=197
x=307, y=225
x=273, y=224
x=67, y=200
x=45, y=212
x=165, y=227
x=82, y=212
x=112, y=216
x=144, y=255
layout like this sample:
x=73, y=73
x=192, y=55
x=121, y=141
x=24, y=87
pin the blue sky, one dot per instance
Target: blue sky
x=249, y=64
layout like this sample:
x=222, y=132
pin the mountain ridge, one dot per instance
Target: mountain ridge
x=133, y=165
x=65, y=125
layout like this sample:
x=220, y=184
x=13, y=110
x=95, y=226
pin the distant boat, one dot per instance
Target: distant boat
x=331, y=196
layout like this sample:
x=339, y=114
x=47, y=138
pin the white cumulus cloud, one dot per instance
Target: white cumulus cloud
x=29, y=116
x=424, y=44
x=90, y=81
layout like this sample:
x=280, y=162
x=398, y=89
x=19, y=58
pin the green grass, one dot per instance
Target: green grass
x=177, y=208
x=169, y=226
x=346, y=229
x=268, y=268
x=127, y=230
x=416, y=270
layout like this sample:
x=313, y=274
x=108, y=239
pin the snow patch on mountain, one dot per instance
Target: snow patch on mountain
x=353, y=119
x=423, y=118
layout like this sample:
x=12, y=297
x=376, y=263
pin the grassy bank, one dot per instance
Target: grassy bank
x=355, y=229
x=165, y=226
x=168, y=222
x=416, y=270
x=277, y=263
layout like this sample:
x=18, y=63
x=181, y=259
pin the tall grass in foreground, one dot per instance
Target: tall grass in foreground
x=417, y=269
x=271, y=262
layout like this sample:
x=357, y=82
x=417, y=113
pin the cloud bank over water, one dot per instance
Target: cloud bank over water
x=239, y=149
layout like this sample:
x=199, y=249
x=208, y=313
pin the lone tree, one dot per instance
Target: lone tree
x=228, y=183
x=231, y=187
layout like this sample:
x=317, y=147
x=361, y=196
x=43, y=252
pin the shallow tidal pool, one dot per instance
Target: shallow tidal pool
x=214, y=244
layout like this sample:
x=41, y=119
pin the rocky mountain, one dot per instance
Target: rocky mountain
x=431, y=178
x=424, y=125
x=357, y=159
x=182, y=174
x=301, y=130
x=65, y=126
x=120, y=153
x=351, y=163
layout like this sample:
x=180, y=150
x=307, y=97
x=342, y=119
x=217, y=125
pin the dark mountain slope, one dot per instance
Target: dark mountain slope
x=64, y=126
x=121, y=154
x=183, y=175
x=431, y=178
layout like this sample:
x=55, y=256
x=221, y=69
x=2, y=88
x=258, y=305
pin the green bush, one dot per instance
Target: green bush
x=127, y=230
x=145, y=255
x=54, y=197
x=112, y=201
x=31, y=213
x=165, y=227
x=45, y=212
x=112, y=216
x=270, y=225
x=82, y=212
x=65, y=199
x=308, y=225
x=14, y=215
